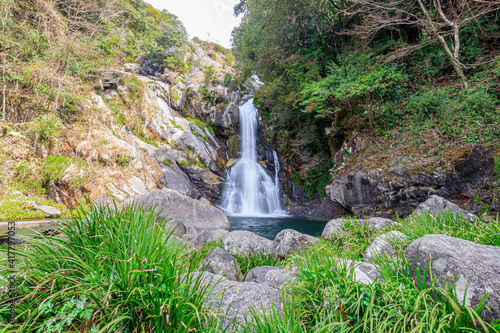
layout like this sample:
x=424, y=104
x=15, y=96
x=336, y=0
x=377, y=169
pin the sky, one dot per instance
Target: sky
x=206, y=19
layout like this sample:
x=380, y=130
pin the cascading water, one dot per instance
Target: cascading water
x=249, y=190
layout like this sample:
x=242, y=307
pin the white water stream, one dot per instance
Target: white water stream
x=249, y=190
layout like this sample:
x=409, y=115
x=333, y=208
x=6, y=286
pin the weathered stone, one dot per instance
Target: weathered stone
x=176, y=228
x=137, y=185
x=132, y=68
x=180, y=208
x=436, y=205
x=363, y=272
x=231, y=301
x=274, y=277
x=48, y=210
x=382, y=246
x=220, y=262
x=332, y=227
x=327, y=210
x=176, y=180
x=246, y=242
x=473, y=268
x=209, y=235
x=288, y=241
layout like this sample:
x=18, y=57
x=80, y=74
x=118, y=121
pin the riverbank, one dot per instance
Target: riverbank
x=359, y=276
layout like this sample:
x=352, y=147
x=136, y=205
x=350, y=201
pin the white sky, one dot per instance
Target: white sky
x=203, y=17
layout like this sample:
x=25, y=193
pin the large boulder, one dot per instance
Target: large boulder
x=436, y=205
x=383, y=245
x=209, y=235
x=473, y=268
x=288, y=241
x=333, y=227
x=274, y=277
x=231, y=301
x=180, y=208
x=246, y=242
x=222, y=263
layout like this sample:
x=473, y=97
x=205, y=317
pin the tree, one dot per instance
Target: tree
x=440, y=20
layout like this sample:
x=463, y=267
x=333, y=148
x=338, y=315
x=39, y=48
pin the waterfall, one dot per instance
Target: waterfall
x=249, y=190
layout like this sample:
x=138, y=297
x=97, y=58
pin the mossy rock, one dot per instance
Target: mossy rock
x=233, y=145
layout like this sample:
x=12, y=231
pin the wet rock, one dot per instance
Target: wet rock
x=274, y=277
x=180, y=208
x=473, y=268
x=222, y=263
x=209, y=235
x=383, y=245
x=288, y=241
x=436, y=205
x=245, y=242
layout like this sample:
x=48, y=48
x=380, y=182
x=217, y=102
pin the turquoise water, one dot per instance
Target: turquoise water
x=269, y=227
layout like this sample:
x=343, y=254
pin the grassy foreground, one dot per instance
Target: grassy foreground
x=119, y=272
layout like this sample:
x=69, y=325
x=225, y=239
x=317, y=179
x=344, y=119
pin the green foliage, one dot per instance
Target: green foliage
x=496, y=167
x=256, y=259
x=12, y=208
x=428, y=103
x=111, y=271
x=184, y=163
x=27, y=179
x=209, y=75
x=228, y=78
x=123, y=161
x=356, y=79
x=54, y=167
x=148, y=141
x=46, y=127
x=447, y=224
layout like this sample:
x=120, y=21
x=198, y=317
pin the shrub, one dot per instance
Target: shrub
x=46, y=127
x=428, y=103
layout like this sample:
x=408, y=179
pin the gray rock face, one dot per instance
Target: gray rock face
x=232, y=300
x=436, y=204
x=472, y=267
x=209, y=235
x=404, y=185
x=270, y=275
x=176, y=228
x=222, y=263
x=364, y=273
x=180, y=208
x=382, y=246
x=288, y=241
x=246, y=242
x=176, y=180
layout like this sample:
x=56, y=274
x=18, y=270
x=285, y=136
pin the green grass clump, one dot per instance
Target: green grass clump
x=257, y=259
x=55, y=166
x=481, y=232
x=108, y=271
